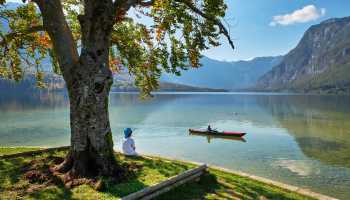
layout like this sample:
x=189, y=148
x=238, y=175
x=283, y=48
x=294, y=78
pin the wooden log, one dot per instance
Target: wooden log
x=170, y=187
x=187, y=175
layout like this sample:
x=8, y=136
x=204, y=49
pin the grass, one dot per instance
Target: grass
x=222, y=185
x=14, y=182
x=13, y=150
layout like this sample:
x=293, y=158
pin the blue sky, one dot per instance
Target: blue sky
x=254, y=34
x=271, y=27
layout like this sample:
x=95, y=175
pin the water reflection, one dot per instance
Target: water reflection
x=27, y=100
x=34, y=118
x=301, y=140
x=211, y=137
x=319, y=124
x=302, y=168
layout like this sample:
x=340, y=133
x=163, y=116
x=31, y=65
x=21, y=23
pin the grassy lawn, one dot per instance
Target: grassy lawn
x=10, y=150
x=221, y=185
x=15, y=184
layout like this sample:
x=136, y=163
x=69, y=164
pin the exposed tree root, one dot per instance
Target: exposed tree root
x=77, y=167
x=41, y=175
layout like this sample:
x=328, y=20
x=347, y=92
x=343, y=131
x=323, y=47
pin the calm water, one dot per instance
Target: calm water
x=296, y=139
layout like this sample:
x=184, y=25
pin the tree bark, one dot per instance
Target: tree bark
x=91, y=150
x=89, y=80
x=91, y=136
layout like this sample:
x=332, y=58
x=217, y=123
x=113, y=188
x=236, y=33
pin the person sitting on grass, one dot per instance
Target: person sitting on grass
x=129, y=143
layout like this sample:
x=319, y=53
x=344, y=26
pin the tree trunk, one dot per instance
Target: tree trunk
x=91, y=150
x=91, y=137
x=89, y=80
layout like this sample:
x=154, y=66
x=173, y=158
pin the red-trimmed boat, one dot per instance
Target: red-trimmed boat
x=214, y=132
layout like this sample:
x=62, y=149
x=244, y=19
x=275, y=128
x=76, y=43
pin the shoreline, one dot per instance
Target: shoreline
x=283, y=186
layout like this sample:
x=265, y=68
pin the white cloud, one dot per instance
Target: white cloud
x=303, y=15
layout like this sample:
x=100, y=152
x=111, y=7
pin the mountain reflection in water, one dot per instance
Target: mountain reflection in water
x=298, y=139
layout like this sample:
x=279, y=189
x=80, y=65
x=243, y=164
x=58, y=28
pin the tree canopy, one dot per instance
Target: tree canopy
x=88, y=41
x=148, y=37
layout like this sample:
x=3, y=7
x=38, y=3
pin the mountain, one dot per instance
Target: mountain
x=124, y=86
x=213, y=76
x=28, y=83
x=123, y=81
x=227, y=75
x=319, y=63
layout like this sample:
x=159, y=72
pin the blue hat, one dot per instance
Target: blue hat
x=127, y=132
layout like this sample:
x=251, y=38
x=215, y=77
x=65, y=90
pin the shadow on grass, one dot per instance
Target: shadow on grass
x=15, y=184
x=147, y=173
x=193, y=190
x=52, y=192
x=214, y=186
x=123, y=189
x=163, y=167
x=255, y=192
x=10, y=171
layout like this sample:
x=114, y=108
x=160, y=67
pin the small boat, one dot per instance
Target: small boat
x=214, y=136
x=222, y=133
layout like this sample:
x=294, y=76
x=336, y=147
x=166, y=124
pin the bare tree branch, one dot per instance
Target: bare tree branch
x=124, y=6
x=222, y=28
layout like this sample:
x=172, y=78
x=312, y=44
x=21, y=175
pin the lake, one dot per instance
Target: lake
x=302, y=140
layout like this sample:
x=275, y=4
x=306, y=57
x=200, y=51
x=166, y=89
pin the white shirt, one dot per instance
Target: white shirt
x=129, y=147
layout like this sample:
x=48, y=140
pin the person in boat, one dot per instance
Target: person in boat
x=209, y=128
x=129, y=147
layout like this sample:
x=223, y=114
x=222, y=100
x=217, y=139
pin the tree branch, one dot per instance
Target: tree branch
x=56, y=26
x=97, y=22
x=222, y=28
x=127, y=4
x=12, y=35
x=124, y=6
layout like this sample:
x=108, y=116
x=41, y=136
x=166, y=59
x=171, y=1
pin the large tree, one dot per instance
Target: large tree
x=90, y=40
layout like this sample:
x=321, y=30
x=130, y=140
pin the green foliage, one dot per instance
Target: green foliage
x=23, y=46
x=179, y=31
